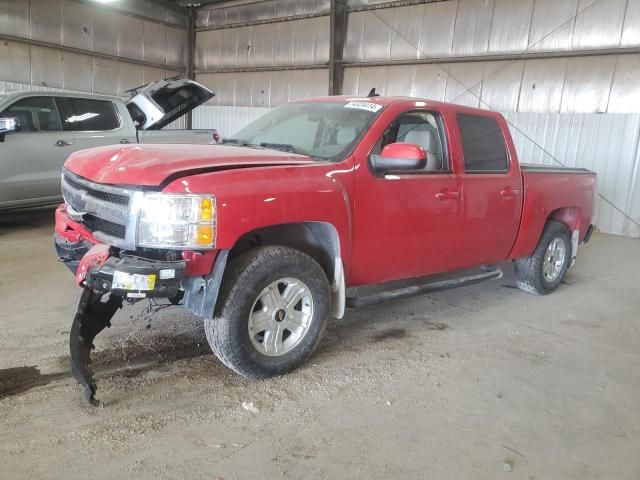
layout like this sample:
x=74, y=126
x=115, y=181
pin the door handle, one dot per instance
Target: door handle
x=124, y=141
x=62, y=143
x=447, y=195
x=509, y=192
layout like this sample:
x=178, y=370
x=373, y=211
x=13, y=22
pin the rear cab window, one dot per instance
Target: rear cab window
x=483, y=145
x=87, y=114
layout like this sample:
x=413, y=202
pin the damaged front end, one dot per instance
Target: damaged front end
x=108, y=278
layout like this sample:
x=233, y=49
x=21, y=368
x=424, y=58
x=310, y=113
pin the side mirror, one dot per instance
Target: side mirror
x=9, y=125
x=398, y=157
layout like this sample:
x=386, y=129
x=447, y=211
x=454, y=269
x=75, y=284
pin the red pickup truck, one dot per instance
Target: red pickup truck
x=262, y=236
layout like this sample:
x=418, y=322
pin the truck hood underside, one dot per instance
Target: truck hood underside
x=153, y=165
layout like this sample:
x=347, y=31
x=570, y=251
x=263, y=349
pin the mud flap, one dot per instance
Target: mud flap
x=92, y=316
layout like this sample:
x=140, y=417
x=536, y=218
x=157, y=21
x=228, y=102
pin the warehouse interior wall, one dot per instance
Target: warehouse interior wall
x=78, y=46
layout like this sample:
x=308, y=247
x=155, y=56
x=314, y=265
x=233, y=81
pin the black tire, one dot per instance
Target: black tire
x=245, y=278
x=529, y=271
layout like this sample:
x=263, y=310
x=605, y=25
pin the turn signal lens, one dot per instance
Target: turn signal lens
x=205, y=235
x=206, y=210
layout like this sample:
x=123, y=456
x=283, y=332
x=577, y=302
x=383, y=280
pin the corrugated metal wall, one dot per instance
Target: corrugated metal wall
x=102, y=50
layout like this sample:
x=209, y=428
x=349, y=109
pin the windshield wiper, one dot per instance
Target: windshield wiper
x=285, y=147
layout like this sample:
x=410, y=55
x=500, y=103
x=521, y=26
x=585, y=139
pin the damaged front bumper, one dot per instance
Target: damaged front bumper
x=107, y=281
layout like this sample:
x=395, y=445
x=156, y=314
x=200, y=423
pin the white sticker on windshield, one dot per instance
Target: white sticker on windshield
x=370, y=107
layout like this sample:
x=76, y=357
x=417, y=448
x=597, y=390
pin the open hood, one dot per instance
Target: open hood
x=160, y=103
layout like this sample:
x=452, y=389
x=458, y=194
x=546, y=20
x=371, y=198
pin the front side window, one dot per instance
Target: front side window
x=36, y=114
x=325, y=131
x=421, y=128
x=88, y=115
x=482, y=144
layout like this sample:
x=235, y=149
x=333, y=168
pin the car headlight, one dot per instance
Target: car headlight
x=177, y=221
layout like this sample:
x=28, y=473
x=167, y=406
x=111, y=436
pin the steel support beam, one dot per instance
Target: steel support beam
x=191, y=56
x=337, y=34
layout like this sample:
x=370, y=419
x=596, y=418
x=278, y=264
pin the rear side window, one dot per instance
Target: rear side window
x=483, y=144
x=36, y=114
x=86, y=114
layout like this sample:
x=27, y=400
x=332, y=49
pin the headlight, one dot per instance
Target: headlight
x=177, y=221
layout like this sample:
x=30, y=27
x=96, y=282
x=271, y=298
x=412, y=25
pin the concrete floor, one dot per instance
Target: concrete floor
x=479, y=383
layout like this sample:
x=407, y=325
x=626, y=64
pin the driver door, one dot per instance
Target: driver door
x=406, y=223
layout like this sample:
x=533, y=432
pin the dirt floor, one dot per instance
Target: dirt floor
x=479, y=383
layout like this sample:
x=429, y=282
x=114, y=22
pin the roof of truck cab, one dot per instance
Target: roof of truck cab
x=47, y=93
x=387, y=101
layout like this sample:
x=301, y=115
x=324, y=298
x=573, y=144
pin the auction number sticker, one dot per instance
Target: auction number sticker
x=133, y=281
x=370, y=107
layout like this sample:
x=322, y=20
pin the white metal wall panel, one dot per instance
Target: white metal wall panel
x=14, y=17
x=431, y=81
x=130, y=37
x=105, y=76
x=631, y=28
x=77, y=72
x=542, y=85
x=438, y=24
x=263, y=41
x=405, y=35
x=606, y=144
x=13, y=67
x=353, y=42
x=588, y=84
x=625, y=91
x=464, y=84
x=552, y=16
x=510, y=26
x=216, y=16
x=600, y=26
x=129, y=76
x=77, y=25
x=473, y=27
x=106, y=27
x=46, y=20
x=155, y=42
x=501, y=85
x=46, y=67
x=176, y=47
x=264, y=89
x=399, y=81
x=377, y=35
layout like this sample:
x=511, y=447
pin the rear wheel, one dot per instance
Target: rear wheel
x=271, y=312
x=542, y=272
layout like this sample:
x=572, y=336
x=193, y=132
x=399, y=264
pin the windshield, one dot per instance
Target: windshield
x=326, y=131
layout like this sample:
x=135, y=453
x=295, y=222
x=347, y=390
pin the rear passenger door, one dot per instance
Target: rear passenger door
x=31, y=160
x=94, y=122
x=491, y=191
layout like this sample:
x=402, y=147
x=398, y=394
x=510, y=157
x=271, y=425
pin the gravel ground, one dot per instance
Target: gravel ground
x=483, y=382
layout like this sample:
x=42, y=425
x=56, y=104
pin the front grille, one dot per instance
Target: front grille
x=103, y=209
x=112, y=229
x=109, y=197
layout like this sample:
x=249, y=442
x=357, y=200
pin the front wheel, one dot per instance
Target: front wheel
x=542, y=272
x=271, y=312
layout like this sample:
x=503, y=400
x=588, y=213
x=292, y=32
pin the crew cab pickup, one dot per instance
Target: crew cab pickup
x=49, y=126
x=265, y=235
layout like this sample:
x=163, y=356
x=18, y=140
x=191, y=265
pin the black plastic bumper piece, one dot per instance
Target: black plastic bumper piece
x=92, y=316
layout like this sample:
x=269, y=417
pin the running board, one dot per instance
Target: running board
x=438, y=286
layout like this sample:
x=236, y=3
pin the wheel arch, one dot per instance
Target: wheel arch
x=318, y=239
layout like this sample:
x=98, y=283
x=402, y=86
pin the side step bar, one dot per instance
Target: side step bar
x=437, y=286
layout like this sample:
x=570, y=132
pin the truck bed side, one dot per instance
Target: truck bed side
x=564, y=194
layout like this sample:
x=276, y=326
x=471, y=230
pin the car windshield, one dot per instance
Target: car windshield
x=322, y=130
